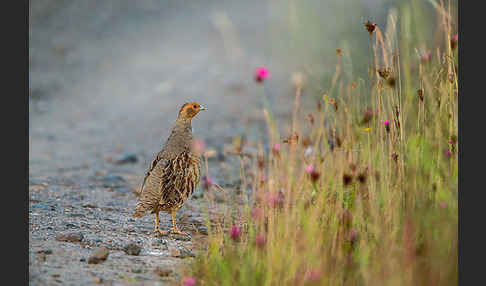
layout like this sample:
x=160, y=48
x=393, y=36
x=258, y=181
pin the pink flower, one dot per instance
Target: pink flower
x=443, y=205
x=275, y=199
x=450, y=142
x=309, y=169
x=455, y=37
x=448, y=152
x=256, y=213
x=426, y=56
x=207, y=182
x=235, y=232
x=276, y=147
x=385, y=122
x=314, y=275
x=260, y=240
x=261, y=73
x=189, y=281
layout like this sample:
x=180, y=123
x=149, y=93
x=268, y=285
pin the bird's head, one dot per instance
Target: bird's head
x=189, y=110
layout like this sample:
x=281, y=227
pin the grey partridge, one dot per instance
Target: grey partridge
x=174, y=172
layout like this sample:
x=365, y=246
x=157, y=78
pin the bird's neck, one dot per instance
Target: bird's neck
x=180, y=139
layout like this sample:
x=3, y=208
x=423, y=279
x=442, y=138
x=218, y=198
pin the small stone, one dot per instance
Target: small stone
x=174, y=252
x=181, y=237
x=98, y=255
x=126, y=158
x=70, y=237
x=132, y=249
x=45, y=251
x=202, y=230
x=162, y=272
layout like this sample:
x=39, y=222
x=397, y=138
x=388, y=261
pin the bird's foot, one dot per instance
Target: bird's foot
x=177, y=231
x=158, y=230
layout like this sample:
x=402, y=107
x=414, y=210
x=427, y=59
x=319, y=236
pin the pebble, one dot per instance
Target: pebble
x=162, y=272
x=70, y=237
x=98, y=255
x=132, y=249
x=126, y=158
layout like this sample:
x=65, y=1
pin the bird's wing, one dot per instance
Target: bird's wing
x=152, y=165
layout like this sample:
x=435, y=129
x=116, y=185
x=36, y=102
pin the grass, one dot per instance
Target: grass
x=364, y=191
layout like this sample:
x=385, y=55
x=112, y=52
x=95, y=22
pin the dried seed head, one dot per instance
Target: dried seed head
x=339, y=52
x=370, y=27
x=395, y=157
x=391, y=81
x=314, y=176
x=319, y=105
x=362, y=177
x=311, y=118
x=306, y=142
x=368, y=115
x=261, y=161
x=385, y=72
x=347, y=179
x=420, y=93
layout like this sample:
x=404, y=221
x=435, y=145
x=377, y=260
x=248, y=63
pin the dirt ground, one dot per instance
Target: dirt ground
x=106, y=81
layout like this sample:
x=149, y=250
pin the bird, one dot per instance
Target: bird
x=174, y=173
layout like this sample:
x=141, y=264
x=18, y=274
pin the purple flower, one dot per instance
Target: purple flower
x=189, y=281
x=385, y=122
x=276, y=147
x=455, y=37
x=260, y=240
x=448, y=152
x=443, y=205
x=450, y=142
x=235, y=232
x=261, y=73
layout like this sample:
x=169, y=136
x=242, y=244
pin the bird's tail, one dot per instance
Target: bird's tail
x=140, y=211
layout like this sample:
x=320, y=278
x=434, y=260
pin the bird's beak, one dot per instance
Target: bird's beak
x=202, y=108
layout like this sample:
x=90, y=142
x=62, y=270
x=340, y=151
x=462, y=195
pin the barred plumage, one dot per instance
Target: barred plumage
x=174, y=173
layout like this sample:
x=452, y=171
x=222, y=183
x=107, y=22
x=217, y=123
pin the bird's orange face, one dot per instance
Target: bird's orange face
x=191, y=109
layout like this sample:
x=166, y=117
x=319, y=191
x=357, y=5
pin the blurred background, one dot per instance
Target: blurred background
x=111, y=75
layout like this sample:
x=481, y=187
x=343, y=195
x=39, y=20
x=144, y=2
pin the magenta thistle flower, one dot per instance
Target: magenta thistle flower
x=207, y=182
x=260, y=240
x=189, y=281
x=261, y=73
x=443, y=205
x=235, y=232
x=448, y=152
x=450, y=142
x=309, y=169
x=455, y=37
x=276, y=147
x=386, y=123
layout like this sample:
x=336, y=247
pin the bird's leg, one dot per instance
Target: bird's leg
x=174, y=226
x=157, y=229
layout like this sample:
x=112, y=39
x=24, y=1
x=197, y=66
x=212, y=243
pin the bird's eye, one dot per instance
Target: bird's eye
x=195, y=106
